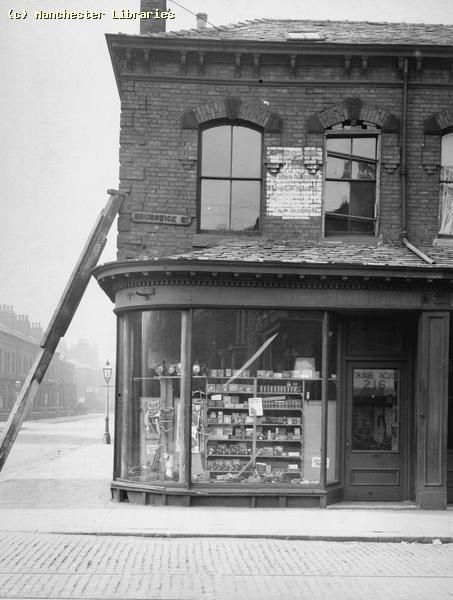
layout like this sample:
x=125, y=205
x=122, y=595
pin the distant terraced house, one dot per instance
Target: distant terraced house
x=284, y=277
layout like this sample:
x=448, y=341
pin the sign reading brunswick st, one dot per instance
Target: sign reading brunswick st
x=161, y=218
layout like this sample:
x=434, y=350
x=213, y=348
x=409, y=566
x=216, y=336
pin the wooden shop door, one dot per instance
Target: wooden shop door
x=375, y=432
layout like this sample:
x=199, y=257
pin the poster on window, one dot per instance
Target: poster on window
x=374, y=382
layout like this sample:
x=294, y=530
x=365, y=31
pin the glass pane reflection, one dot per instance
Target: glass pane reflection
x=216, y=152
x=245, y=205
x=375, y=405
x=246, y=155
x=363, y=146
x=215, y=204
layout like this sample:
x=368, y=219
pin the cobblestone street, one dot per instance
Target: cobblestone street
x=56, y=487
x=74, y=566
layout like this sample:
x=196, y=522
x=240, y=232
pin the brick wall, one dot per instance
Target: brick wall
x=158, y=153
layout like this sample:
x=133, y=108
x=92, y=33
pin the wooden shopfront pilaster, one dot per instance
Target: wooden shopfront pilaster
x=432, y=407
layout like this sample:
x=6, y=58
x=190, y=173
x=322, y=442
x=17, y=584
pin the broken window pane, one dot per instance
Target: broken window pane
x=350, y=206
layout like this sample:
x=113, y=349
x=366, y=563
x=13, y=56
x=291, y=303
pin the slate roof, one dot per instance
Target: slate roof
x=333, y=32
x=335, y=252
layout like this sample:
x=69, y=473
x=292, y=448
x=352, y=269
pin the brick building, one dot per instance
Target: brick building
x=19, y=345
x=284, y=278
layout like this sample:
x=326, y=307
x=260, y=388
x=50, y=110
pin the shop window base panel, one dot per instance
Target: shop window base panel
x=241, y=498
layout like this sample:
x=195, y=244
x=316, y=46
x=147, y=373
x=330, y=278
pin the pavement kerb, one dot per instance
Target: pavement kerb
x=299, y=538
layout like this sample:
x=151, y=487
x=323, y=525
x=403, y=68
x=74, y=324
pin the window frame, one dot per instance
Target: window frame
x=345, y=130
x=233, y=123
x=443, y=180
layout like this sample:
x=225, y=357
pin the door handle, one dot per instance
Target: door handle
x=348, y=444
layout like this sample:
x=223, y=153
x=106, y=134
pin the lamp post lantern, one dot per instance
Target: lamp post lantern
x=107, y=371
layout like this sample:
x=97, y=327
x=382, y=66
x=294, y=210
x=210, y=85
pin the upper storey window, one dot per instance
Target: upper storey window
x=351, y=177
x=446, y=186
x=230, y=182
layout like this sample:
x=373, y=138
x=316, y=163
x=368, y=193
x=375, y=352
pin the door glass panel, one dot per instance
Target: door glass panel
x=375, y=406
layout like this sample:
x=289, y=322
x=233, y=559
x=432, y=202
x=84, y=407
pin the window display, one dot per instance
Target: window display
x=153, y=441
x=242, y=405
x=258, y=403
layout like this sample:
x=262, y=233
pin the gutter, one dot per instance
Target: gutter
x=403, y=174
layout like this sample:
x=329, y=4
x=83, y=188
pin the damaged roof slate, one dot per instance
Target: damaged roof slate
x=341, y=252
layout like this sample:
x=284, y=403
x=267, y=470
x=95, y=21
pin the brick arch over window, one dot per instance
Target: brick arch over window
x=436, y=124
x=353, y=109
x=233, y=108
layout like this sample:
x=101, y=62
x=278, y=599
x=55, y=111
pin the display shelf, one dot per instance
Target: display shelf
x=265, y=451
x=239, y=423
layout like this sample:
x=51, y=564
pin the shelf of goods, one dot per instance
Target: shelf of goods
x=266, y=448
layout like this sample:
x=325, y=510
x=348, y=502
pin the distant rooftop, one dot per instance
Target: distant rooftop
x=332, y=32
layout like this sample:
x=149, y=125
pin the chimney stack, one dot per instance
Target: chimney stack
x=201, y=20
x=154, y=24
x=23, y=324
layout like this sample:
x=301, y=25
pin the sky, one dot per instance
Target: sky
x=59, y=135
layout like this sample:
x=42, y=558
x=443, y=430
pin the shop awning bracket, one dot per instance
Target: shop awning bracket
x=60, y=321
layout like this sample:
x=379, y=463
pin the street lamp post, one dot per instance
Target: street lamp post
x=107, y=370
x=17, y=387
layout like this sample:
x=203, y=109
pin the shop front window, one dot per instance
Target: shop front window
x=256, y=397
x=253, y=412
x=151, y=410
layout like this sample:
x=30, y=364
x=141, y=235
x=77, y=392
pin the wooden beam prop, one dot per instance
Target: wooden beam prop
x=60, y=321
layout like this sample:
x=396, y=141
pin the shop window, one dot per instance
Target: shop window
x=446, y=186
x=256, y=399
x=230, y=178
x=351, y=175
x=152, y=435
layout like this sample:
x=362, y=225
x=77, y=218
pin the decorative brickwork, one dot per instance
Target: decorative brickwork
x=233, y=108
x=353, y=109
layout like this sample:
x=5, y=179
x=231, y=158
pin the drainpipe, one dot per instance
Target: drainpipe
x=403, y=174
x=403, y=170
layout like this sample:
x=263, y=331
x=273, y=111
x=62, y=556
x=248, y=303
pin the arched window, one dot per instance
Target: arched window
x=351, y=177
x=230, y=178
x=446, y=186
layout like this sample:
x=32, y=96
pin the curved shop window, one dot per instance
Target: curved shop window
x=150, y=412
x=260, y=384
